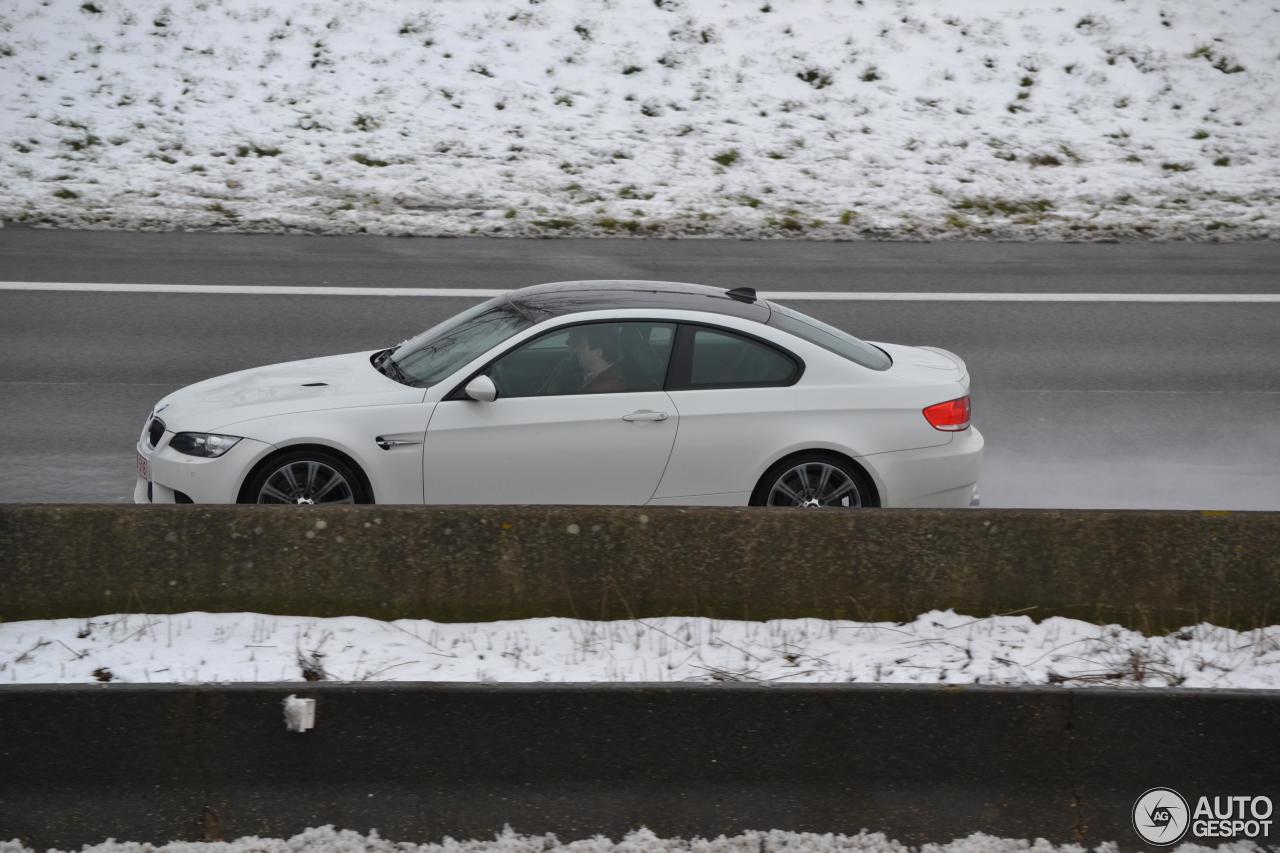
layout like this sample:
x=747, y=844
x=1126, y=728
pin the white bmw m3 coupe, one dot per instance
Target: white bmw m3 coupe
x=587, y=392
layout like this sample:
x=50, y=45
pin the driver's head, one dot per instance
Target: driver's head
x=593, y=346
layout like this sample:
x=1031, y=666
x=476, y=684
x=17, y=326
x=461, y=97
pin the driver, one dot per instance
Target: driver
x=593, y=368
x=595, y=351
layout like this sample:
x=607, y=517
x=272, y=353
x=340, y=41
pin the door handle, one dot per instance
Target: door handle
x=645, y=415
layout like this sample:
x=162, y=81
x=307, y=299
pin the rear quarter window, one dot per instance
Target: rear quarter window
x=829, y=338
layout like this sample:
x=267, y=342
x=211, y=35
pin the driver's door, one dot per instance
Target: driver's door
x=542, y=442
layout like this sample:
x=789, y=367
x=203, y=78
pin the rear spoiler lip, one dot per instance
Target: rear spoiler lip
x=957, y=360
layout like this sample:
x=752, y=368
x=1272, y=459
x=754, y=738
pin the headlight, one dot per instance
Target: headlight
x=203, y=443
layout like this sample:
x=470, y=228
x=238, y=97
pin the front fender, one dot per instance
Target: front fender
x=394, y=472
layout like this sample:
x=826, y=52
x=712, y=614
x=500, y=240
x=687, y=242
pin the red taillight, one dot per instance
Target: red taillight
x=951, y=416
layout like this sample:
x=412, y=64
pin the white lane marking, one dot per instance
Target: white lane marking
x=779, y=295
x=1125, y=391
x=95, y=383
x=248, y=289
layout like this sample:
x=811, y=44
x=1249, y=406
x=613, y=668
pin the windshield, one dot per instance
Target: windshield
x=446, y=347
x=828, y=337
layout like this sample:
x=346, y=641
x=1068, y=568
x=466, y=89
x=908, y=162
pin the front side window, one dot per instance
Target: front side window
x=591, y=358
x=722, y=359
x=444, y=348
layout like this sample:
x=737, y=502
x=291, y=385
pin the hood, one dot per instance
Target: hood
x=332, y=382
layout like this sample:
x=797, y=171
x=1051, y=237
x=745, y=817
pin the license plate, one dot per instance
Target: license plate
x=144, y=468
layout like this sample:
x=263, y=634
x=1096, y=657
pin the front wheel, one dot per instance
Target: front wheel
x=307, y=478
x=813, y=481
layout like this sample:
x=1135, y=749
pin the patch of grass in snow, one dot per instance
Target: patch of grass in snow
x=372, y=162
x=257, y=151
x=847, y=217
x=1222, y=161
x=1217, y=60
x=86, y=141
x=871, y=75
x=555, y=224
x=786, y=223
x=1070, y=153
x=815, y=77
x=1200, y=134
x=225, y=212
x=993, y=205
x=63, y=192
x=365, y=122
x=1044, y=160
x=728, y=158
x=416, y=25
x=609, y=224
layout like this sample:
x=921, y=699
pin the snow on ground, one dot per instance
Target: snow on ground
x=938, y=647
x=328, y=840
x=831, y=119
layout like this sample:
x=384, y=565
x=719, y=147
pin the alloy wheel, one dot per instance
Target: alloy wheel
x=306, y=482
x=813, y=485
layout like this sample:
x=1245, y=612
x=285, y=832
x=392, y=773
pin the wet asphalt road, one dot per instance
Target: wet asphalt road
x=1093, y=404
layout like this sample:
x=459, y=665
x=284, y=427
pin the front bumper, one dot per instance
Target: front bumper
x=941, y=476
x=175, y=475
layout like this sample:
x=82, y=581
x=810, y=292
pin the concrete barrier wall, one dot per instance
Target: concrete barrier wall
x=1152, y=571
x=418, y=762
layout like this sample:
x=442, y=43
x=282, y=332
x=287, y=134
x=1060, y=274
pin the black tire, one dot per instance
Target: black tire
x=322, y=479
x=815, y=460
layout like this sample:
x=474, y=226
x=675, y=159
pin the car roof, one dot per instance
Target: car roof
x=545, y=301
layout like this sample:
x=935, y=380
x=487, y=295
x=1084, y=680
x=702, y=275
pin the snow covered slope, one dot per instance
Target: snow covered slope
x=785, y=118
x=939, y=647
x=326, y=839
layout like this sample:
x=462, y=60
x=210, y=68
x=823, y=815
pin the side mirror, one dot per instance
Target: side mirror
x=481, y=388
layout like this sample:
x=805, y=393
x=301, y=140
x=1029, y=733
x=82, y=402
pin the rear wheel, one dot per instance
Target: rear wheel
x=813, y=481
x=307, y=478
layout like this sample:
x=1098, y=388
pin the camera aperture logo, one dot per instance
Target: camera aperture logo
x=1160, y=816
